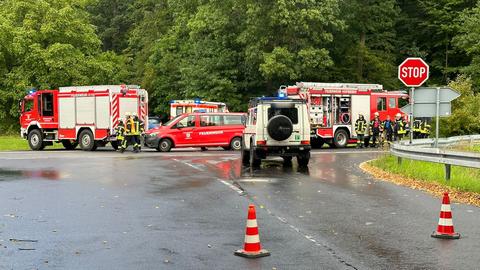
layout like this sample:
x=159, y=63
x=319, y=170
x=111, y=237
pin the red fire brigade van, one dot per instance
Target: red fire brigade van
x=334, y=108
x=85, y=115
x=198, y=130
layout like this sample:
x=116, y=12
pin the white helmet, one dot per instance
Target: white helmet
x=377, y=114
x=134, y=114
x=398, y=115
x=127, y=114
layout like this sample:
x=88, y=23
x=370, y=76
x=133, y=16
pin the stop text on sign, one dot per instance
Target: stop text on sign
x=413, y=72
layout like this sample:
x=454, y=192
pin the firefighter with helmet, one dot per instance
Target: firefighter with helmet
x=425, y=129
x=128, y=132
x=375, y=129
x=120, y=132
x=360, y=128
x=400, y=127
x=416, y=129
x=137, y=130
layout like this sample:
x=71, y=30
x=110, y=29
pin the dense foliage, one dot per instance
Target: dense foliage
x=230, y=50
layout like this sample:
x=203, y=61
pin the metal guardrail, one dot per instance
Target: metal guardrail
x=421, y=149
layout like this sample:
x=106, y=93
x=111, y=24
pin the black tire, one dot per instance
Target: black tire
x=226, y=148
x=69, y=145
x=203, y=148
x=287, y=161
x=303, y=159
x=280, y=127
x=165, y=145
x=114, y=145
x=254, y=160
x=236, y=144
x=86, y=140
x=35, y=140
x=341, y=138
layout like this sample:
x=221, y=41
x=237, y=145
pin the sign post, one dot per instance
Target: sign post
x=437, y=119
x=413, y=72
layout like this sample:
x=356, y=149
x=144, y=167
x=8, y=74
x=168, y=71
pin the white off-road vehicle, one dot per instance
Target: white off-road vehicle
x=276, y=127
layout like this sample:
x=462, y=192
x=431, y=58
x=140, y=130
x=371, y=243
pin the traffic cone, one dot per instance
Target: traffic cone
x=252, y=248
x=445, y=223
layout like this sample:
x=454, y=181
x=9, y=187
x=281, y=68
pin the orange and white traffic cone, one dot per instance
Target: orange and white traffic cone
x=445, y=224
x=252, y=248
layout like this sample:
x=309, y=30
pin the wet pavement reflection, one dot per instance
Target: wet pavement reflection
x=8, y=174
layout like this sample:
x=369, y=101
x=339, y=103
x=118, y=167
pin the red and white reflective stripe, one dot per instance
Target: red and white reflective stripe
x=445, y=222
x=143, y=110
x=252, y=223
x=446, y=208
x=115, y=110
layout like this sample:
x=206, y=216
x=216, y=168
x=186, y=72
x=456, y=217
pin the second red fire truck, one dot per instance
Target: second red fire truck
x=79, y=115
x=334, y=108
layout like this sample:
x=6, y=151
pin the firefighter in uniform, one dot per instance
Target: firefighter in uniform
x=360, y=128
x=425, y=130
x=137, y=130
x=388, y=129
x=400, y=127
x=416, y=129
x=128, y=132
x=120, y=132
x=375, y=128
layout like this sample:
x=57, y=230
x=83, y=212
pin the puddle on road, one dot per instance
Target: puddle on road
x=9, y=174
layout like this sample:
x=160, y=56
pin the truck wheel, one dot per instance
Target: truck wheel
x=303, y=159
x=165, y=145
x=87, y=142
x=287, y=161
x=69, y=145
x=254, y=160
x=35, y=140
x=236, y=144
x=340, y=139
x=317, y=143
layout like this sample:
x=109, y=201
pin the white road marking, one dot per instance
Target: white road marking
x=235, y=188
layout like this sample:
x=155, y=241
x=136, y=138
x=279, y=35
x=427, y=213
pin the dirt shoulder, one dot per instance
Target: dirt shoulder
x=430, y=187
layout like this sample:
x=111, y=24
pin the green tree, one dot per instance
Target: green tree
x=465, y=118
x=113, y=19
x=467, y=40
x=47, y=44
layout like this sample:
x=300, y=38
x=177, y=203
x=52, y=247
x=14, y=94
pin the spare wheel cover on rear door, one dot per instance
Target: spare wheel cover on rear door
x=280, y=127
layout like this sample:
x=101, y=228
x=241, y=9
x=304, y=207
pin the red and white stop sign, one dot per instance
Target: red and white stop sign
x=413, y=72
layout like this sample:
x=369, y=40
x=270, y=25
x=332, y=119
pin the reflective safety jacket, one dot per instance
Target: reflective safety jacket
x=400, y=127
x=120, y=131
x=416, y=125
x=360, y=126
x=425, y=128
x=134, y=127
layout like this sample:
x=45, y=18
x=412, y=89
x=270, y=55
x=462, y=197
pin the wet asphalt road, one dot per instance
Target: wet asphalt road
x=187, y=210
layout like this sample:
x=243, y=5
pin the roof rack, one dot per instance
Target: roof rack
x=359, y=86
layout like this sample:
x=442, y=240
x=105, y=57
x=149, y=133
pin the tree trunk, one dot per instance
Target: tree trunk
x=360, y=57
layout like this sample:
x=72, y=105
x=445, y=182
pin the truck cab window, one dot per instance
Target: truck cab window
x=381, y=104
x=392, y=103
x=27, y=105
x=47, y=104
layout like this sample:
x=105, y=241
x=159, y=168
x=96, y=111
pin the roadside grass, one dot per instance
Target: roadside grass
x=464, y=179
x=15, y=143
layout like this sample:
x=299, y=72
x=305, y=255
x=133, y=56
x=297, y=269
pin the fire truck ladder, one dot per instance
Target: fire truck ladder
x=359, y=86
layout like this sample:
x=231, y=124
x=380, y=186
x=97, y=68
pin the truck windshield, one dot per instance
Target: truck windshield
x=27, y=105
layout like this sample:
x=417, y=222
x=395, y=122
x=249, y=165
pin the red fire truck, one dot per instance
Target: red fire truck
x=178, y=107
x=334, y=108
x=79, y=115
